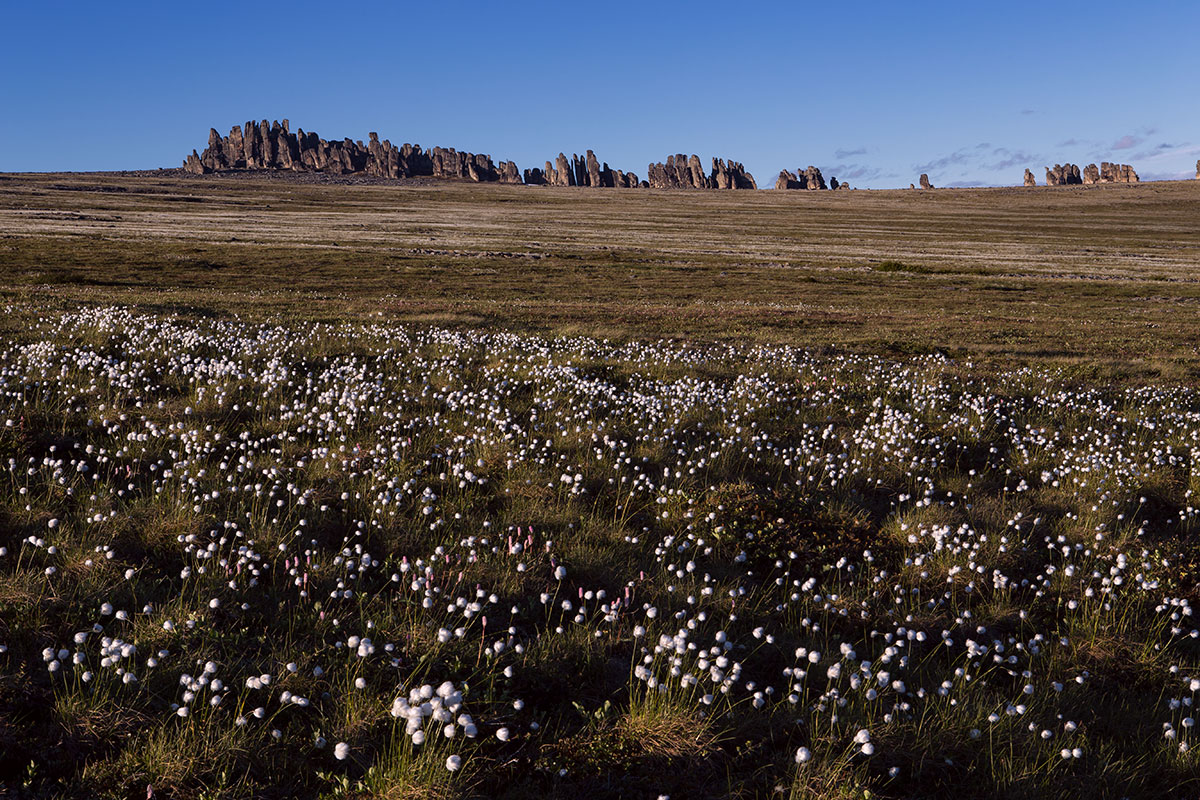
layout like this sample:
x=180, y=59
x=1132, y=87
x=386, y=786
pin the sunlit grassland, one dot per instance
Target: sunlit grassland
x=1101, y=278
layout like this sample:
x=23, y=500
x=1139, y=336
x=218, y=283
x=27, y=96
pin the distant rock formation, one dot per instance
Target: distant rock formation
x=833, y=182
x=266, y=145
x=679, y=172
x=1120, y=173
x=1109, y=173
x=509, y=173
x=810, y=178
x=684, y=172
x=1063, y=175
x=584, y=170
x=559, y=173
x=731, y=175
x=1198, y=169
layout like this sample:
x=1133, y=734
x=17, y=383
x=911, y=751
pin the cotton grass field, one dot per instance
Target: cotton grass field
x=338, y=540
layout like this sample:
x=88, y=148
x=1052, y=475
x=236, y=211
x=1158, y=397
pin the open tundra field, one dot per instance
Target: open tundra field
x=1101, y=277
x=432, y=490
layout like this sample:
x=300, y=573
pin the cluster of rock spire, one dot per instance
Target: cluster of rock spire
x=810, y=179
x=262, y=146
x=684, y=172
x=580, y=171
x=1071, y=175
x=265, y=145
x=274, y=146
x=271, y=145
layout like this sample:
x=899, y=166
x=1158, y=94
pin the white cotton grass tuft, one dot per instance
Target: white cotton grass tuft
x=453, y=763
x=683, y=648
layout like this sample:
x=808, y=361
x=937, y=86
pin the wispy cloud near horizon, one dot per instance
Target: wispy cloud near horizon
x=854, y=172
x=958, y=157
x=986, y=165
x=1010, y=158
x=983, y=156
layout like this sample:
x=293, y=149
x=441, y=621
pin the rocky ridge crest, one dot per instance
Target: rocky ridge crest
x=686, y=172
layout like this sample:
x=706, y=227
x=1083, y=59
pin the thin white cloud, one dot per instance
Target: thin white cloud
x=963, y=156
x=853, y=172
x=1186, y=175
x=981, y=157
x=1170, y=153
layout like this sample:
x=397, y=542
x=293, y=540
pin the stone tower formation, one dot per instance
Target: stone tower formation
x=1071, y=175
x=267, y=145
x=272, y=146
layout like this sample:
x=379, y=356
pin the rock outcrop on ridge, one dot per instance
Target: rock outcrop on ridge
x=266, y=145
x=810, y=179
x=1070, y=174
x=560, y=173
x=1198, y=169
x=1117, y=173
x=1063, y=175
x=1109, y=173
x=731, y=175
x=684, y=172
x=586, y=170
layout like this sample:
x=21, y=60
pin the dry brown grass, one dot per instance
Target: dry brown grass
x=670, y=734
x=1095, y=277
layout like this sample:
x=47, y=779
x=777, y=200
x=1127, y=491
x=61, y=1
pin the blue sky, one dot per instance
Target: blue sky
x=874, y=93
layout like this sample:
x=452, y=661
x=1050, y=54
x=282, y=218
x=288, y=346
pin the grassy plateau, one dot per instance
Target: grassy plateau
x=350, y=489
